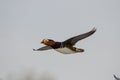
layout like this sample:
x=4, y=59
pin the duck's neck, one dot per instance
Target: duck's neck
x=58, y=45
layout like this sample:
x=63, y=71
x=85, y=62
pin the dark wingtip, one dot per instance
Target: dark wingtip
x=34, y=49
x=94, y=29
x=116, y=77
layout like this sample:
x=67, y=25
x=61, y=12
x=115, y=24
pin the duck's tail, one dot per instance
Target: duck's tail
x=80, y=50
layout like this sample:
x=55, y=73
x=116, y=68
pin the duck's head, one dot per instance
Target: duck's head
x=48, y=42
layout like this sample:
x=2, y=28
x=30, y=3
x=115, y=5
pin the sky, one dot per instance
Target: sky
x=25, y=23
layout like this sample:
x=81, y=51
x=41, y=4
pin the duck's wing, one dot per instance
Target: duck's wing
x=116, y=77
x=73, y=40
x=43, y=48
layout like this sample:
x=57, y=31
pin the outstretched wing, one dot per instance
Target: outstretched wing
x=73, y=40
x=116, y=77
x=43, y=48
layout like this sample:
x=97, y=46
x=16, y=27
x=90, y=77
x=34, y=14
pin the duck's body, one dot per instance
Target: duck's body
x=65, y=47
x=65, y=50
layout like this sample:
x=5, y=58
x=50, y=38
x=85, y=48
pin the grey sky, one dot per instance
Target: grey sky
x=24, y=23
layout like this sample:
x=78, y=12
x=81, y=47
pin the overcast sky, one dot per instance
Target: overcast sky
x=24, y=23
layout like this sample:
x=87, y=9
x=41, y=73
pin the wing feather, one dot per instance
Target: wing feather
x=116, y=77
x=43, y=48
x=73, y=40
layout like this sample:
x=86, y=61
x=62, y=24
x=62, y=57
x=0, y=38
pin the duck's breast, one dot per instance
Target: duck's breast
x=65, y=50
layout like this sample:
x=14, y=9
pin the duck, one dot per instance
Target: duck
x=67, y=46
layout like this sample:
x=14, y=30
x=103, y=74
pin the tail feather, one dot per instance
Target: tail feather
x=80, y=50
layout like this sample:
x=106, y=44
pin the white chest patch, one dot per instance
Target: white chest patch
x=65, y=50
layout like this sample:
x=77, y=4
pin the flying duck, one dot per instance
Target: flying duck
x=65, y=47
